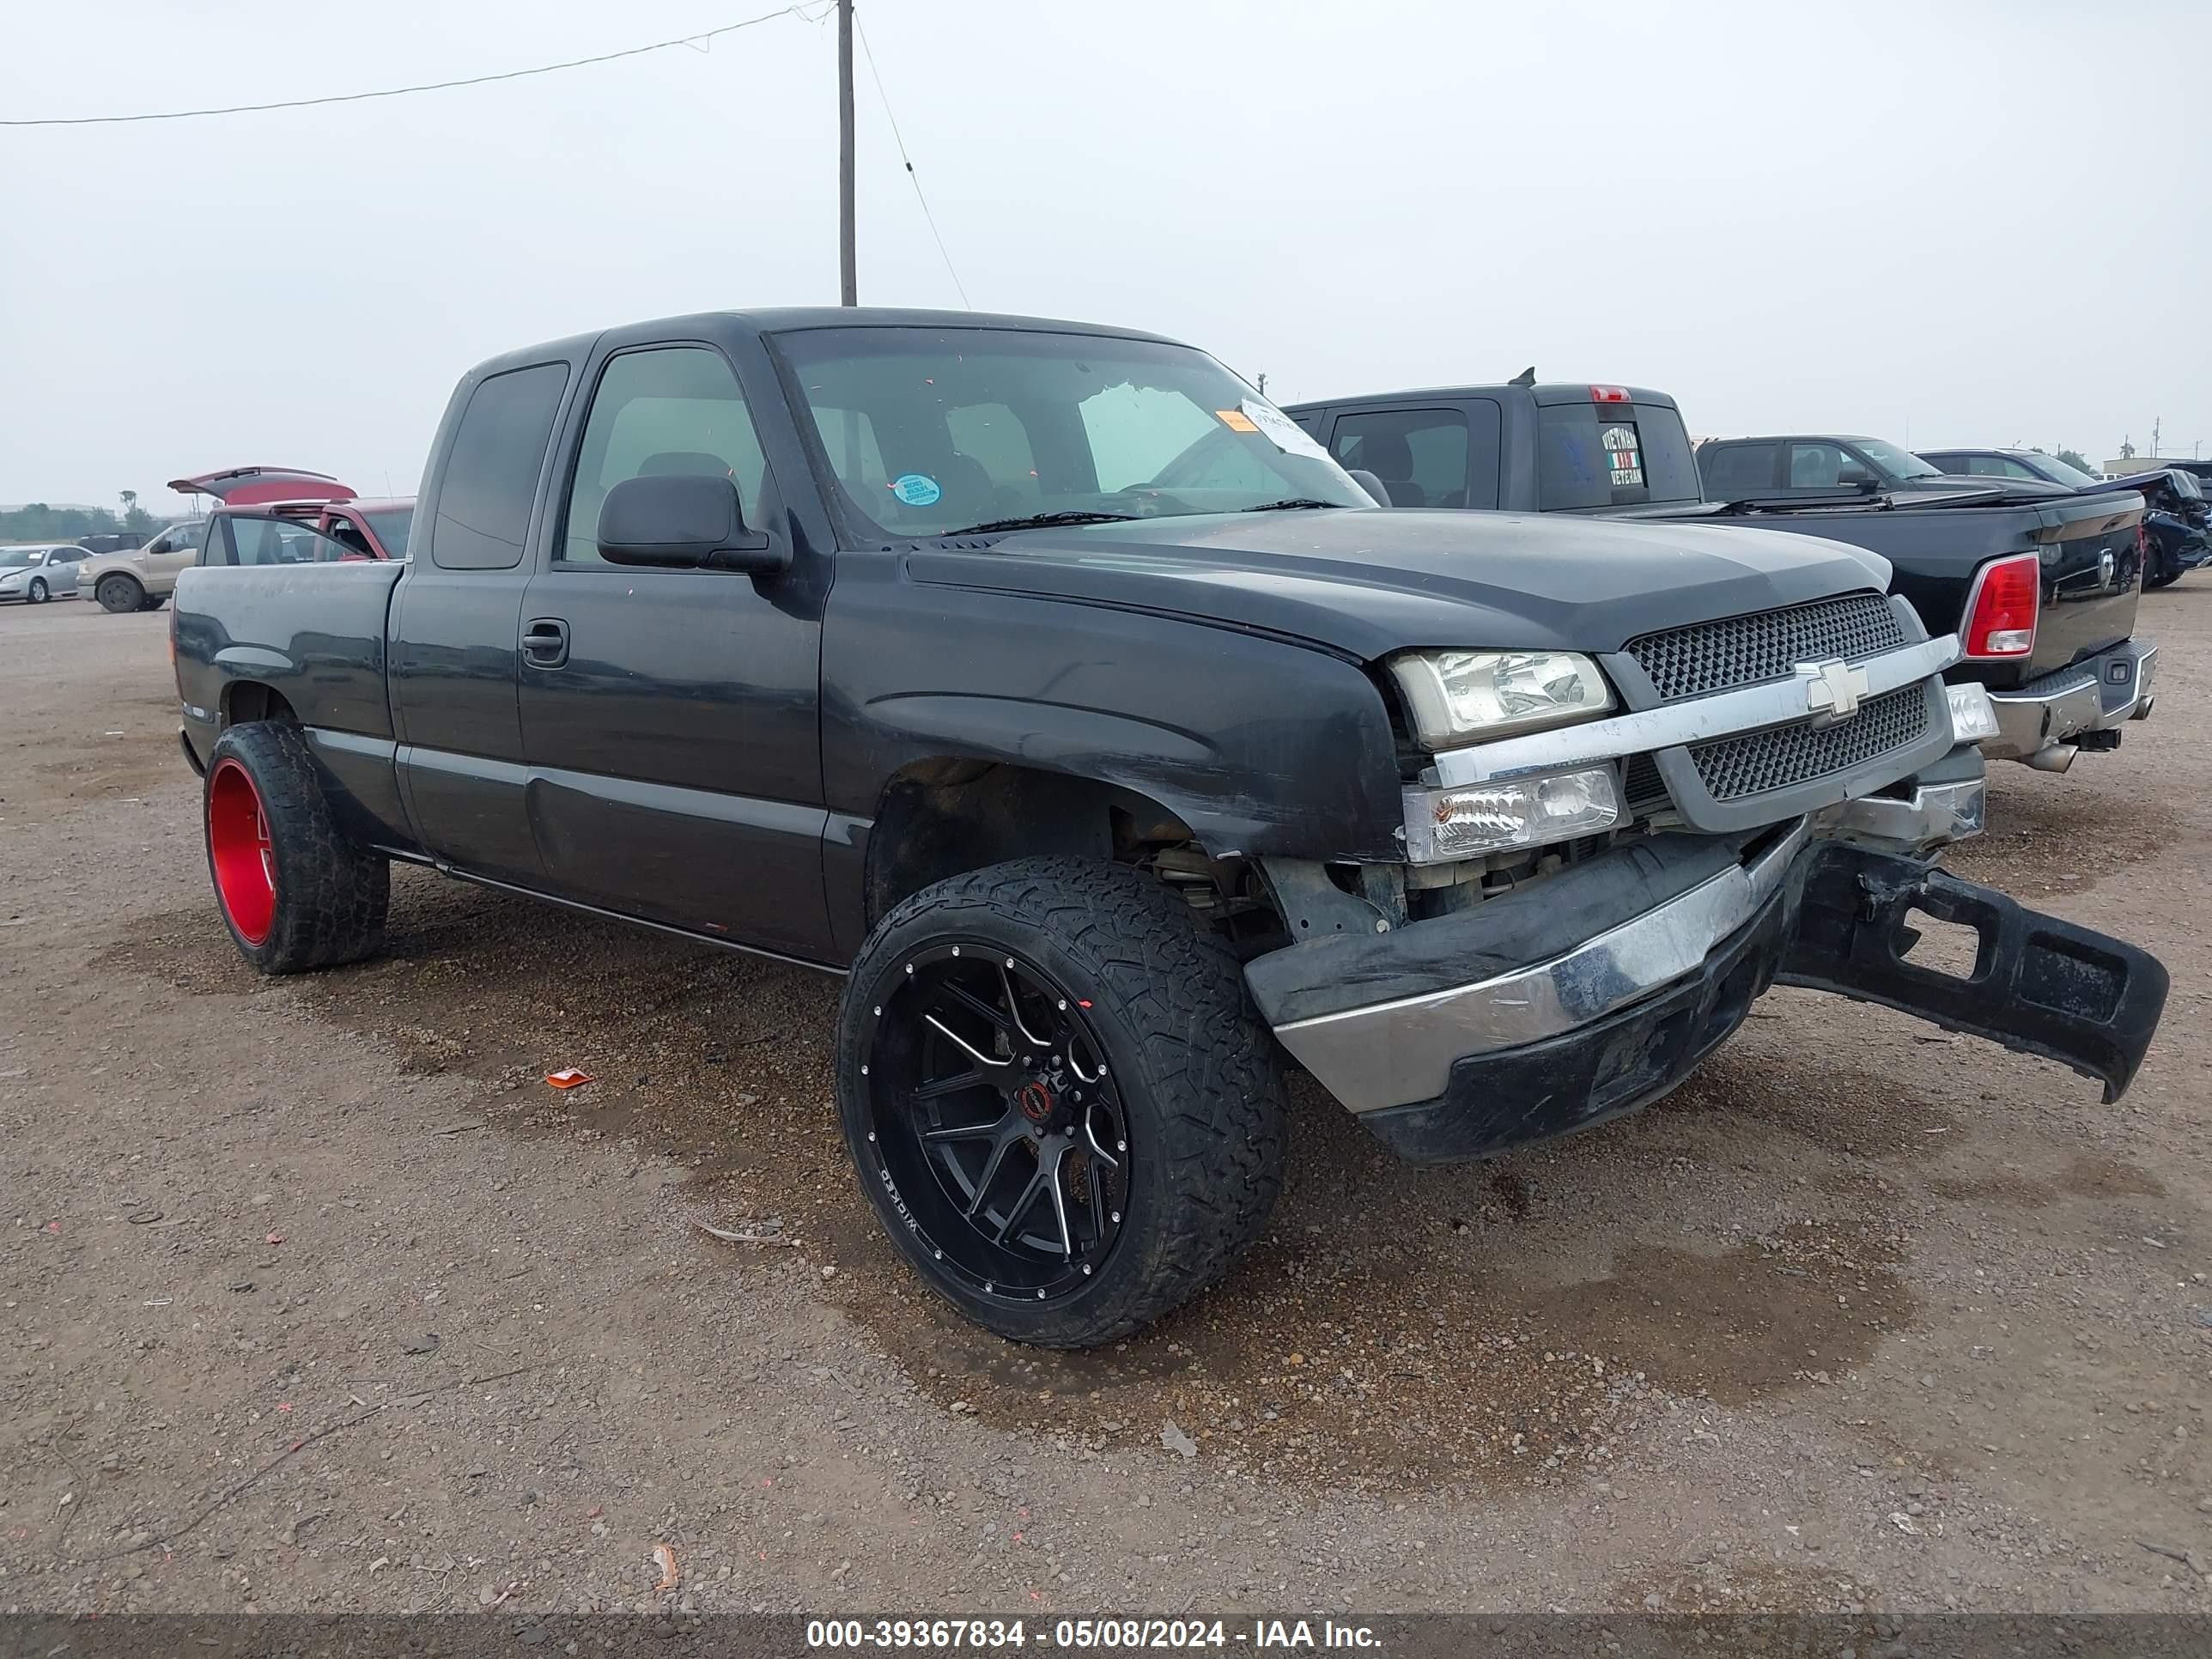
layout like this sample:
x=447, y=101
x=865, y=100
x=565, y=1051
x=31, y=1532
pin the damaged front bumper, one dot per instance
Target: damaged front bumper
x=1596, y=991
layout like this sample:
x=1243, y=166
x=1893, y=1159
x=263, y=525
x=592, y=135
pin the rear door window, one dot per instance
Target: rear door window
x=1593, y=454
x=1737, y=472
x=1419, y=454
x=492, y=469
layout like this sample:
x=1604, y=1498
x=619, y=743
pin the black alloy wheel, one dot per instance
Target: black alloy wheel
x=995, y=1118
x=1062, y=1105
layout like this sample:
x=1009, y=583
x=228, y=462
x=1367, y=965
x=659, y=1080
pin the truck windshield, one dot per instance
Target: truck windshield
x=2060, y=472
x=932, y=431
x=1895, y=462
x=392, y=525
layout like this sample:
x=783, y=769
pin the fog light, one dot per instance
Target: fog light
x=1458, y=824
x=1974, y=716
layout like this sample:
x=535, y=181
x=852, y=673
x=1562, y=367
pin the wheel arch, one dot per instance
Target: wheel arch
x=947, y=815
x=254, y=700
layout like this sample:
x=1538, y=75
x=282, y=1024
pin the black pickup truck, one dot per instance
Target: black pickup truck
x=2040, y=581
x=1055, y=688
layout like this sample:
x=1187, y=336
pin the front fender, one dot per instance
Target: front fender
x=1263, y=746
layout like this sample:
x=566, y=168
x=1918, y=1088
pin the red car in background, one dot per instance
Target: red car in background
x=282, y=515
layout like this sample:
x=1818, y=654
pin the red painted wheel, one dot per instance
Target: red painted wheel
x=239, y=848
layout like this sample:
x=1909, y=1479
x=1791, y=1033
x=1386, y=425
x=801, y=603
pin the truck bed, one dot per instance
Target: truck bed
x=314, y=634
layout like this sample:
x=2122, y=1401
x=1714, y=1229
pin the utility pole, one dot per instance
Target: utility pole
x=849, y=268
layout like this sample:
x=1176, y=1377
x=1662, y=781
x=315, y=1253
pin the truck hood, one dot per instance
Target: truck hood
x=1365, y=582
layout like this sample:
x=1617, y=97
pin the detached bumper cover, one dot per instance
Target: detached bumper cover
x=1553, y=1025
x=2095, y=695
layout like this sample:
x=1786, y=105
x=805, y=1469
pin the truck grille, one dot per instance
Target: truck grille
x=1720, y=656
x=1732, y=767
x=1642, y=787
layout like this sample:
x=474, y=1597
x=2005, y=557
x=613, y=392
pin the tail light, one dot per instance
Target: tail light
x=2002, y=608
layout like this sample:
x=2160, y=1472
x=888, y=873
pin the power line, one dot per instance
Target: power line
x=913, y=177
x=428, y=86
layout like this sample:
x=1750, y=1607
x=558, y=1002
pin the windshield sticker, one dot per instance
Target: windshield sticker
x=1234, y=420
x=1280, y=430
x=917, y=490
x=1622, y=455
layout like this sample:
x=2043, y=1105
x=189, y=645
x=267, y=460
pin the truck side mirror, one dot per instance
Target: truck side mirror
x=682, y=522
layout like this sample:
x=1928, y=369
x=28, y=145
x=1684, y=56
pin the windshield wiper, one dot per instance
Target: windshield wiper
x=1039, y=521
x=1288, y=502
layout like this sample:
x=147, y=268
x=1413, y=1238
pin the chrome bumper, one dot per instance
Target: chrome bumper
x=1934, y=815
x=1389, y=1053
x=2099, y=695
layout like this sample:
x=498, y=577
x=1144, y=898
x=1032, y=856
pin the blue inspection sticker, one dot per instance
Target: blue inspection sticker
x=916, y=489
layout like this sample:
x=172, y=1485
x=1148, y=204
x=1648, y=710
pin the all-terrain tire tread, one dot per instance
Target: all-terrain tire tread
x=333, y=894
x=1206, y=1052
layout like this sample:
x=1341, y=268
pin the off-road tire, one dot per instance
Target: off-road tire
x=119, y=595
x=1196, y=1066
x=331, y=892
x=37, y=593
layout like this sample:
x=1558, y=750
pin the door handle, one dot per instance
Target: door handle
x=545, y=642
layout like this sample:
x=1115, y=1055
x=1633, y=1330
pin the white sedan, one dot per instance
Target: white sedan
x=39, y=571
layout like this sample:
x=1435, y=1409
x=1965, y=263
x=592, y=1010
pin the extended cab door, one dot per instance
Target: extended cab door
x=669, y=718
x=455, y=626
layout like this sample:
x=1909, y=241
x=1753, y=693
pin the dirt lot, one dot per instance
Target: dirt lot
x=316, y=1297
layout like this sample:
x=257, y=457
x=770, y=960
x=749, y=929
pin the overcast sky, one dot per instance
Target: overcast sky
x=1949, y=222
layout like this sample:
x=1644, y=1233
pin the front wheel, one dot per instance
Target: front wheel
x=38, y=594
x=118, y=595
x=2161, y=575
x=1062, y=1101
x=296, y=892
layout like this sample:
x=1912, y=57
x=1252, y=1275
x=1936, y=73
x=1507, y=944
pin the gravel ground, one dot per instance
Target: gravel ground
x=317, y=1299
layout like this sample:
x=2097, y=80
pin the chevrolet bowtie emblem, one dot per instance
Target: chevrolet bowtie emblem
x=1833, y=690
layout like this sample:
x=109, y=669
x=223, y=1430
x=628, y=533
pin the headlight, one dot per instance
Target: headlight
x=1463, y=696
x=1458, y=824
x=13, y=580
